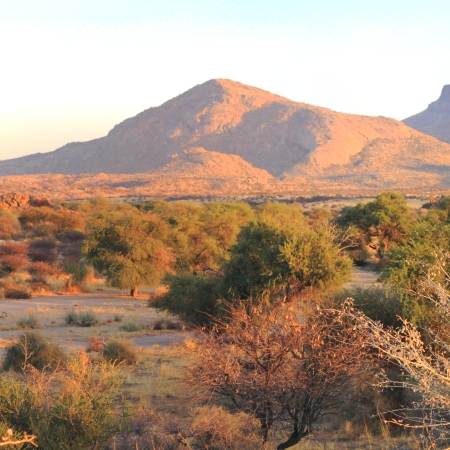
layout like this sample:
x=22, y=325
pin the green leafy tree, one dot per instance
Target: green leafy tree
x=193, y=297
x=274, y=258
x=428, y=242
x=129, y=248
x=387, y=218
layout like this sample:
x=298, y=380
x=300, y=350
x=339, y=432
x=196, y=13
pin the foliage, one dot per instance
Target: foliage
x=130, y=249
x=16, y=293
x=387, y=218
x=43, y=250
x=201, y=234
x=193, y=297
x=280, y=259
x=81, y=319
x=429, y=241
x=286, y=373
x=78, y=273
x=130, y=326
x=422, y=356
x=166, y=325
x=77, y=408
x=13, y=257
x=9, y=226
x=119, y=351
x=27, y=322
x=46, y=222
x=379, y=303
x=35, y=350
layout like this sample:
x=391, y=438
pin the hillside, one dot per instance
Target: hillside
x=435, y=120
x=226, y=138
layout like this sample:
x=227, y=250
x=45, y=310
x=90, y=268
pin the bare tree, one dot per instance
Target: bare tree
x=421, y=354
x=287, y=373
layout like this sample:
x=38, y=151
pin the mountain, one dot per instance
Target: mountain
x=435, y=120
x=225, y=136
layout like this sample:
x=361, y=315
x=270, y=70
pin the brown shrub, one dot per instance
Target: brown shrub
x=16, y=293
x=43, y=269
x=13, y=257
x=39, y=287
x=166, y=325
x=95, y=344
x=43, y=250
x=9, y=226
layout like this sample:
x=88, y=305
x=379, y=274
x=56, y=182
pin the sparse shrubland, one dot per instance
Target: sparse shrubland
x=280, y=345
x=81, y=319
x=35, y=350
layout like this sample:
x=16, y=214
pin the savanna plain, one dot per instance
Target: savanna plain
x=219, y=325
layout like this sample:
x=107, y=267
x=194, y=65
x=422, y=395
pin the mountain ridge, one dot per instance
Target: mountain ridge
x=224, y=126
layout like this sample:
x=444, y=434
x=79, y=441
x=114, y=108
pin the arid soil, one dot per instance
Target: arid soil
x=50, y=312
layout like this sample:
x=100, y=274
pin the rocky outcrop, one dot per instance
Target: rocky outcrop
x=435, y=120
x=9, y=202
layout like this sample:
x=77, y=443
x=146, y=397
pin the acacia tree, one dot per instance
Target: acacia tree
x=286, y=373
x=270, y=260
x=129, y=249
x=387, y=218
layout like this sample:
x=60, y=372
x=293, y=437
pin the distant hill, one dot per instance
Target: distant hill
x=435, y=120
x=226, y=137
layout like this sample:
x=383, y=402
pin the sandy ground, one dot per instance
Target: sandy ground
x=362, y=277
x=50, y=313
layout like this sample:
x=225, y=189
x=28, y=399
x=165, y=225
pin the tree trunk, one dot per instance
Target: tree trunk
x=133, y=291
x=294, y=439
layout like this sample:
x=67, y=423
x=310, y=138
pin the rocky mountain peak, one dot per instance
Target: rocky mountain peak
x=435, y=120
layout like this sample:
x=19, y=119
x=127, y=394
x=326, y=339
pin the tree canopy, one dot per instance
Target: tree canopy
x=129, y=248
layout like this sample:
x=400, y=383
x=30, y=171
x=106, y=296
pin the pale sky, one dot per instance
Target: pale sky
x=72, y=69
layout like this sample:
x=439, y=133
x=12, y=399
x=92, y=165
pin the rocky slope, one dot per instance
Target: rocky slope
x=435, y=120
x=223, y=137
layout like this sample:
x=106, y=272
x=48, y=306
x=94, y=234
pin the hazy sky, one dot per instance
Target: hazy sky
x=72, y=69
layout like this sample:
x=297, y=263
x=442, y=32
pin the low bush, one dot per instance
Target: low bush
x=377, y=302
x=43, y=269
x=16, y=293
x=81, y=408
x=130, y=326
x=29, y=322
x=119, y=351
x=193, y=297
x=95, y=344
x=43, y=250
x=166, y=325
x=35, y=350
x=81, y=319
x=117, y=318
x=39, y=287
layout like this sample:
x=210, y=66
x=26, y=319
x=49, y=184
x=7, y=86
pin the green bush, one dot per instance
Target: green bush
x=81, y=319
x=117, y=318
x=130, y=326
x=193, y=297
x=166, y=325
x=35, y=350
x=377, y=302
x=79, y=409
x=119, y=351
x=29, y=322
